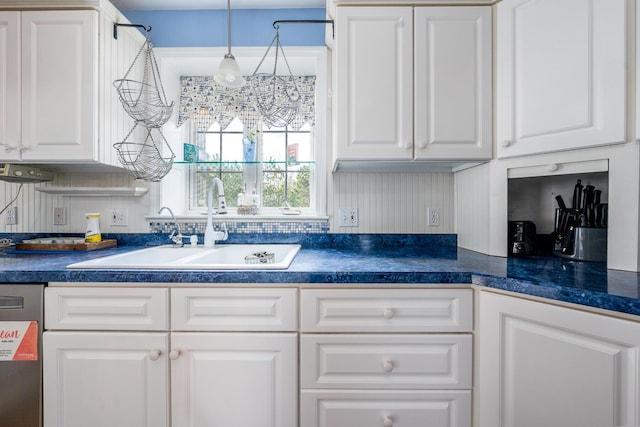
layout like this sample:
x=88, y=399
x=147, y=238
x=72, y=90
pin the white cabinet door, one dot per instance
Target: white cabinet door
x=374, y=83
x=544, y=365
x=453, y=118
x=560, y=75
x=9, y=85
x=59, y=85
x=105, y=379
x=234, y=379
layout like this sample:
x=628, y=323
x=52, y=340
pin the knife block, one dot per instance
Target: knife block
x=590, y=244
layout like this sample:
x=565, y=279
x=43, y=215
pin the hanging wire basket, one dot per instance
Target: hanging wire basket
x=145, y=160
x=145, y=101
x=277, y=97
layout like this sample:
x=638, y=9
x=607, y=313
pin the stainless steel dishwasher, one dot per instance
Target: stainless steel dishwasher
x=21, y=315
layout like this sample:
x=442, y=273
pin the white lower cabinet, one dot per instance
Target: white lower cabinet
x=386, y=357
x=111, y=358
x=234, y=379
x=545, y=365
x=399, y=408
x=105, y=379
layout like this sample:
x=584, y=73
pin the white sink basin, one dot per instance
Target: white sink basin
x=222, y=257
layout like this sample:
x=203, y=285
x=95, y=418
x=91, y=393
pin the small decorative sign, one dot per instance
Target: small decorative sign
x=18, y=341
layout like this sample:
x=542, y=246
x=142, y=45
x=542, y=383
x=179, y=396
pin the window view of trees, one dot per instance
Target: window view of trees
x=281, y=173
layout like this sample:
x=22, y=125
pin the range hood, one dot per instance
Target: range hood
x=23, y=173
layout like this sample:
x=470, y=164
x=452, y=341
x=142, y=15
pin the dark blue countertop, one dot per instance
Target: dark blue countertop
x=349, y=259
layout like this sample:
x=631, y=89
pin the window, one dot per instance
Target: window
x=275, y=163
x=290, y=164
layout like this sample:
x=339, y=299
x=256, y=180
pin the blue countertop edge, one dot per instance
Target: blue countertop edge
x=561, y=293
x=368, y=259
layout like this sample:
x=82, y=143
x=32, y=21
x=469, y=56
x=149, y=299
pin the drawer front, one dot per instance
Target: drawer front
x=447, y=408
x=130, y=309
x=386, y=310
x=230, y=309
x=386, y=361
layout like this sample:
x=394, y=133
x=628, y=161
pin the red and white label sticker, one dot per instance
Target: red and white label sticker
x=19, y=341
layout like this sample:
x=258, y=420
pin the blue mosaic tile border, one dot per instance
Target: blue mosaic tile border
x=243, y=227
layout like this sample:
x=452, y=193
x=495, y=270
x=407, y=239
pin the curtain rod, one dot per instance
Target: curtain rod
x=306, y=21
x=116, y=25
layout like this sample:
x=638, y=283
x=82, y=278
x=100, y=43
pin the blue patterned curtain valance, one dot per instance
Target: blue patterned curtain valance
x=205, y=102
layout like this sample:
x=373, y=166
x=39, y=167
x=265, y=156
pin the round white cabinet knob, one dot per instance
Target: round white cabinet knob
x=387, y=366
x=387, y=313
x=387, y=421
x=154, y=354
x=505, y=143
x=553, y=167
x=174, y=354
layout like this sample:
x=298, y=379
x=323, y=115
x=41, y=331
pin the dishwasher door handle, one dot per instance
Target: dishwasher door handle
x=11, y=302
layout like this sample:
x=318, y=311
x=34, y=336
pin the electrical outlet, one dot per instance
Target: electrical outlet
x=59, y=216
x=348, y=217
x=433, y=217
x=11, y=217
x=119, y=216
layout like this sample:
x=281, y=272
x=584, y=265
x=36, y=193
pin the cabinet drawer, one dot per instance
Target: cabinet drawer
x=139, y=309
x=386, y=310
x=320, y=408
x=386, y=361
x=234, y=309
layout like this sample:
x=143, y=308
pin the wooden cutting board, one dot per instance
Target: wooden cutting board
x=66, y=246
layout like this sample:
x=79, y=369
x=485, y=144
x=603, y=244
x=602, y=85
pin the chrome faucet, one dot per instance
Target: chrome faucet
x=211, y=236
x=175, y=238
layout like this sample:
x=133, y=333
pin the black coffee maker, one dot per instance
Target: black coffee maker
x=522, y=238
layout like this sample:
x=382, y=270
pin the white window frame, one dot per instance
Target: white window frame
x=172, y=191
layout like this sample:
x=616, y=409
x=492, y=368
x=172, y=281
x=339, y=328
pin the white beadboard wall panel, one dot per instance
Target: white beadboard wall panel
x=393, y=202
x=386, y=202
x=35, y=209
x=472, y=208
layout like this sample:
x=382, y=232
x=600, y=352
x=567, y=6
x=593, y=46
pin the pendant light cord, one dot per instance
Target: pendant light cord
x=229, y=25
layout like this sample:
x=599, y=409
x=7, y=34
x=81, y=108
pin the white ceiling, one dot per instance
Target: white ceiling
x=215, y=4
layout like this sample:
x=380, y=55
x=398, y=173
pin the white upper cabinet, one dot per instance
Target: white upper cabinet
x=453, y=83
x=561, y=77
x=412, y=83
x=9, y=85
x=57, y=100
x=374, y=83
x=59, y=85
x=48, y=85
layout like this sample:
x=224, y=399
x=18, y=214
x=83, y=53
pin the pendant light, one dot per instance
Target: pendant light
x=229, y=72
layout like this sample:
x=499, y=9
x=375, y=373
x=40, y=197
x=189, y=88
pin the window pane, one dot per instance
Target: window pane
x=273, y=189
x=273, y=146
x=212, y=145
x=232, y=147
x=299, y=148
x=299, y=189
